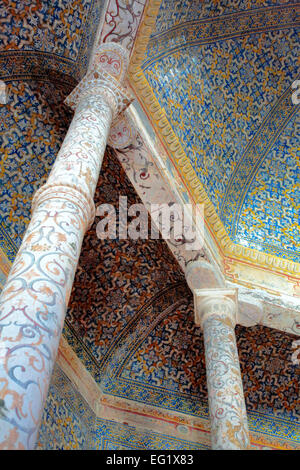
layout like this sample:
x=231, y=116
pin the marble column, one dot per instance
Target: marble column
x=216, y=312
x=34, y=301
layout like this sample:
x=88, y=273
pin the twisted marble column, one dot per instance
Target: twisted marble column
x=216, y=312
x=34, y=301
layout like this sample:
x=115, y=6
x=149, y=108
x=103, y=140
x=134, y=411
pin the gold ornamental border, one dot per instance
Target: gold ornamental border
x=228, y=249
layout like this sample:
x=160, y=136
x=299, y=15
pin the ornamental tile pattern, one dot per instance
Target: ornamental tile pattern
x=173, y=13
x=69, y=424
x=122, y=274
x=223, y=77
x=132, y=325
x=56, y=36
x=109, y=435
x=67, y=418
x=274, y=195
x=32, y=127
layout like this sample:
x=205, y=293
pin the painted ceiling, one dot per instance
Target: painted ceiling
x=48, y=40
x=32, y=126
x=136, y=338
x=222, y=73
x=130, y=318
x=131, y=322
x=44, y=50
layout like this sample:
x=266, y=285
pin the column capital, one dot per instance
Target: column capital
x=104, y=80
x=201, y=274
x=218, y=302
x=113, y=59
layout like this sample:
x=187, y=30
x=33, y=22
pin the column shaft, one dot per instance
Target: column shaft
x=229, y=428
x=34, y=301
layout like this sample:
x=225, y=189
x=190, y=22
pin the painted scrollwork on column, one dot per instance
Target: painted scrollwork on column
x=216, y=312
x=229, y=428
x=34, y=300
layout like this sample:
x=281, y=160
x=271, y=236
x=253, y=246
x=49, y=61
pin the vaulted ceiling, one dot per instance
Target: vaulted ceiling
x=47, y=40
x=44, y=50
x=223, y=76
x=130, y=320
x=32, y=127
x=224, y=89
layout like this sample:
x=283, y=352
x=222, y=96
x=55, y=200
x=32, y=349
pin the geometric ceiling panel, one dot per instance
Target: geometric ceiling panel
x=223, y=77
x=140, y=342
x=273, y=196
x=44, y=50
x=32, y=127
x=38, y=38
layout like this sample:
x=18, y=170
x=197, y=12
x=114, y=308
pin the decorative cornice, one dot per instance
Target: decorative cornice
x=228, y=250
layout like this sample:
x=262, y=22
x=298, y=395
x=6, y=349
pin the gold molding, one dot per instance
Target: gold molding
x=229, y=250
